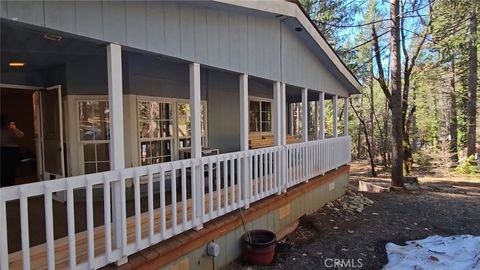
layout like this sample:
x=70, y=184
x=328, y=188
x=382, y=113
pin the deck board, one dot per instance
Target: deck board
x=38, y=253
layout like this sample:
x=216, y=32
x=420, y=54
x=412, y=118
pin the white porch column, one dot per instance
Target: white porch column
x=277, y=113
x=117, y=154
x=196, y=139
x=115, y=99
x=283, y=137
x=305, y=115
x=244, y=127
x=345, y=117
x=244, y=131
x=283, y=108
x=335, y=116
x=195, y=110
x=321, y=116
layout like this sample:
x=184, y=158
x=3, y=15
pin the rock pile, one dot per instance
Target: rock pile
x=350, y=203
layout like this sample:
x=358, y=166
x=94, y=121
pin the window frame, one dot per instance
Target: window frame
x=159, y=139
x=175, y=138
x=260, y=100
x=203, y=138
x=81, y=142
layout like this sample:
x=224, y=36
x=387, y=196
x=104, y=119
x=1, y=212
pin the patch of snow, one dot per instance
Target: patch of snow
x=461, y=252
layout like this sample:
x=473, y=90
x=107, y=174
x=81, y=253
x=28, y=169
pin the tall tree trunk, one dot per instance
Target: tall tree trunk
x=396, y=98
x=369, y=147
x=472, y=85
x=414, y=123
x=385, y=156
x=453, y=117
x=372, y=108
x=359, y=135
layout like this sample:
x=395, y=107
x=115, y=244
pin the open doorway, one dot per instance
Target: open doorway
x=17, y=106
x=37, y=112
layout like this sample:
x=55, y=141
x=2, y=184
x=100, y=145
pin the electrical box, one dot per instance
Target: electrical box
x=213, y=249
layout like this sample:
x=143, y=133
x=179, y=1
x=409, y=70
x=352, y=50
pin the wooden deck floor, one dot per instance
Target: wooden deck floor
x=38, y=251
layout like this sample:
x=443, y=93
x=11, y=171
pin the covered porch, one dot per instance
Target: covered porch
x=154, y=145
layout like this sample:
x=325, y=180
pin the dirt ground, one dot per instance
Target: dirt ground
x=440, y=206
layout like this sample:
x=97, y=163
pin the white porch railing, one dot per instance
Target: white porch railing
x=229, y=181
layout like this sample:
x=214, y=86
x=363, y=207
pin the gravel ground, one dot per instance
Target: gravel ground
x=339, y=231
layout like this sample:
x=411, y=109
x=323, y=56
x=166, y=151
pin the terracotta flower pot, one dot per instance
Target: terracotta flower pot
x=259, y=246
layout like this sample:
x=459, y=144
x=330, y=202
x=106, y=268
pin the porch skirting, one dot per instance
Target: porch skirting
x=279, y=214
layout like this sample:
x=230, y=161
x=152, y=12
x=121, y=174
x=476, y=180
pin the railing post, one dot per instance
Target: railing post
x=117, y=155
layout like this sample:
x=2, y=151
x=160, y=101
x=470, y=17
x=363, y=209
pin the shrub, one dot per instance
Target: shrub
x=421, y=158
x=468, y=166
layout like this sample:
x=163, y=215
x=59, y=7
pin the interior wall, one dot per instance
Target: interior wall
x=17, y=105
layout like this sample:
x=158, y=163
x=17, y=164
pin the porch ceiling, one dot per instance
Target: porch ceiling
x=37, y=48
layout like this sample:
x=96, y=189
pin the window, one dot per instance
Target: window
x=184, y=125
x=312, y=120
x=165, y=129
x=94, y=135
x=296, y=118
x=260, y=114
x=155, y=127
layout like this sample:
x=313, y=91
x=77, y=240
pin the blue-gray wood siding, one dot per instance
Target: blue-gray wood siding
x=256, y=44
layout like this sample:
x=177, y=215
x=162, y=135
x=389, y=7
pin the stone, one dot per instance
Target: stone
x=370, y=187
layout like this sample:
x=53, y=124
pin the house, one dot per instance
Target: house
x=164, y=118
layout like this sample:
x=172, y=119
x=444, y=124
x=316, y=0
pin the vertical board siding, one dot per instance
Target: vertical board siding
x=213, y=39
x=200, y=34
x=60, y=15
x=302, y=67
x=136, y=24
x=255, y=44
x=234, y=40
x=187, y=35
x=155, y=26
x=114, y=21
x=224, y=39
x=89, y=19
x=26, y=11
x=172, y=29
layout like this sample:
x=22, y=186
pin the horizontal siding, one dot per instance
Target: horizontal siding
x=239, y=42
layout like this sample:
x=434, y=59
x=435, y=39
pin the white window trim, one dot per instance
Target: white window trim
x=261, y=99
x=81, y=143
x=142, y=140
x=175, y=138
